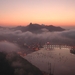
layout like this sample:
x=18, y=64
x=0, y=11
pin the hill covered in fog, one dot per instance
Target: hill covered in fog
x=36, y=28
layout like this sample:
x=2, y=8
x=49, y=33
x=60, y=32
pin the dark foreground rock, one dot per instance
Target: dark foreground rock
x=13, y=64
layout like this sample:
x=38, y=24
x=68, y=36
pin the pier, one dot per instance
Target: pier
x=52, y=46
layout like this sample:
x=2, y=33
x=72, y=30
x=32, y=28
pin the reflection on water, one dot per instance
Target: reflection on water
x=58, y=61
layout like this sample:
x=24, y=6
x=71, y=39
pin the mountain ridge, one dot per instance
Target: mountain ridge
x=37, y=28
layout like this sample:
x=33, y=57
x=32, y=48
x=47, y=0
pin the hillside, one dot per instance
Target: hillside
x=36, y=28
x=13, y=64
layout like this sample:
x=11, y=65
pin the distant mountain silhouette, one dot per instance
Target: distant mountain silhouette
x=2, y=27
x=38, y=28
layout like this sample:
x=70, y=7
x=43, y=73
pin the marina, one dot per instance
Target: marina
x=54, y=60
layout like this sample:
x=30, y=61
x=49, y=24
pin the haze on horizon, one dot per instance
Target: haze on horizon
x=49, y=12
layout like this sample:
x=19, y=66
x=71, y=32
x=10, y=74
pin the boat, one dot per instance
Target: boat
x=72, y=50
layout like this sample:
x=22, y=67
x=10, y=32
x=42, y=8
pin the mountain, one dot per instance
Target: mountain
x=2, y=27
x=36, y=28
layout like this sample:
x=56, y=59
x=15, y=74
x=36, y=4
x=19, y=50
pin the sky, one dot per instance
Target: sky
x=49, y=12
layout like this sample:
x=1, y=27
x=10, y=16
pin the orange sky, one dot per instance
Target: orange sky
x=22, y=12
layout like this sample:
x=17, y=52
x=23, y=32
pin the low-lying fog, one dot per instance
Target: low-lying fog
x=14, y=40
x=17, y=38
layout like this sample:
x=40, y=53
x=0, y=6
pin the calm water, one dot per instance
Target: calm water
x=61, y=61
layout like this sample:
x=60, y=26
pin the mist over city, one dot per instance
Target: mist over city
x=21, y=41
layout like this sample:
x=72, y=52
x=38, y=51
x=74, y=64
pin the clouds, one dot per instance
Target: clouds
x=19, y=37
x=69, y=34
x=12, y=41
x=8, y=47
